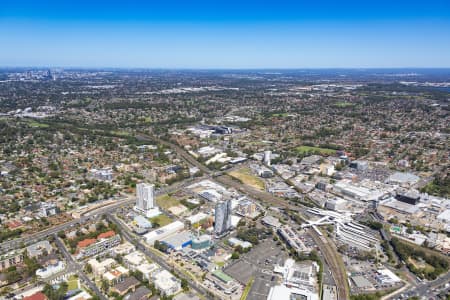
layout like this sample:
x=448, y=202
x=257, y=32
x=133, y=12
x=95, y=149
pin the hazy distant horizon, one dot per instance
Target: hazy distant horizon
x=225, y=35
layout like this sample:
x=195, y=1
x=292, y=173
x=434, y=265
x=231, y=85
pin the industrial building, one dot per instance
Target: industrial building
x=163, y=232
x=292, y=239
x=178, y=240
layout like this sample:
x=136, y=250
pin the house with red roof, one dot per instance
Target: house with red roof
x=106, y=235
x=36, y=296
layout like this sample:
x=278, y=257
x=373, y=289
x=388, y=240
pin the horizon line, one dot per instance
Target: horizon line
x=223, y=68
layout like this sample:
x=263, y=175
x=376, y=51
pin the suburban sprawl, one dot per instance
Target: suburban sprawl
x=278, y=185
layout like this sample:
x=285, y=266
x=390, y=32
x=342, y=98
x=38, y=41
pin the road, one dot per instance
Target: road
x=73, y=265
x=329, y=251
x=180, y=151
x=124, y=231
x=423, y=289
x=24, y=241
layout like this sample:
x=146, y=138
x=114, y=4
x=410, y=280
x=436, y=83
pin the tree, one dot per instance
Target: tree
x=105, y=285
x=184, y=284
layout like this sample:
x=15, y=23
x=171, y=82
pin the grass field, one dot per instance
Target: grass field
x=310, y=149
x=120, y=133
x=344, y=104
x=166, y=201
x=72, y=283
x=33, y=123
x=247, y=178
x=280, y=115
x=162, y=220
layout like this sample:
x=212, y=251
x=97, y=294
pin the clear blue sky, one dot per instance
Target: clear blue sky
x=225, y=34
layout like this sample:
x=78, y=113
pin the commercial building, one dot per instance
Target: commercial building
x=299, y=275
x=222, y=217
x=163, y=232
x=409, y=197
x=337, y=204
x=403, y=178
x=201, y=242
x=386, y=276
x=141, y=224
x=234, y=242
x=224, y=282
x=271, y=221
x=359, y=165
x=282, y=292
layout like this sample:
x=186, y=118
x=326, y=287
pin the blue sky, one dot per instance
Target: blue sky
x=225, y=34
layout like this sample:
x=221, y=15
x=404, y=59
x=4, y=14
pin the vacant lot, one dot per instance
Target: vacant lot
x=310, y=149
x=73, y=283
x=166, y=201
x=246, y=177
x=162, y=220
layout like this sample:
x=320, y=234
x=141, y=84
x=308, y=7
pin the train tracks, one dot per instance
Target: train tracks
x=333, y=261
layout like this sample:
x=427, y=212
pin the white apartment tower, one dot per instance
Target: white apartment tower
x=266, y=159
x=145, y=200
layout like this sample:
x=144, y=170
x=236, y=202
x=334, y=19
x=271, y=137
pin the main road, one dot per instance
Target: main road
x=73, y=265
x=328, y=250
x=124, y=231
x=30, y=239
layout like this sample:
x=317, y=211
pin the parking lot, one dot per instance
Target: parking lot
x=258, y=263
